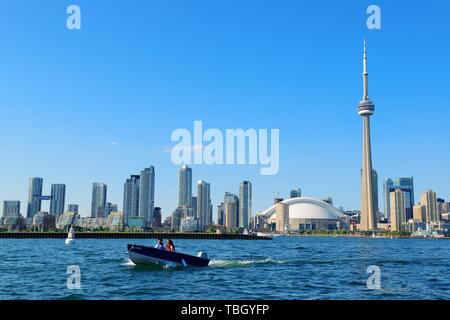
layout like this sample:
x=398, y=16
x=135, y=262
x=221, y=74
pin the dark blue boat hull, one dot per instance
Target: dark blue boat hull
x=148, y=255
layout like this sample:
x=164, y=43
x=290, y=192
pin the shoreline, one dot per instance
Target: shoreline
x=359, y=236
x=184, y=235
x=130, y=235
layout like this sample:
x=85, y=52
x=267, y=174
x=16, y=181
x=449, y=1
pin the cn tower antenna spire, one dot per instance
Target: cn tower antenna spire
x=365, y=74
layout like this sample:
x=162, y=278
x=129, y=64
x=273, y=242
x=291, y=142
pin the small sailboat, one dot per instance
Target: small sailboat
x=70, y=236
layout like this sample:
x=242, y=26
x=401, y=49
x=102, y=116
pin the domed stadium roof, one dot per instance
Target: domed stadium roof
x=306, y=208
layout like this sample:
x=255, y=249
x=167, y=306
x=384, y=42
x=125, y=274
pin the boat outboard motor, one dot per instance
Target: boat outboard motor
x=202, y=254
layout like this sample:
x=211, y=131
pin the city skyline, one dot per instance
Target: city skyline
x=215, y=84
x=132, y=196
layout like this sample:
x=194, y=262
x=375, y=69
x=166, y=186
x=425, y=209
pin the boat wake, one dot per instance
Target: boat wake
x=225, y=263
x=128, y=263
x=151, y=266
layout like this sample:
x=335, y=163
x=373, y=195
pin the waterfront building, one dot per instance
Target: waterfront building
x=366, y=109
x=428, y=199
x=58, y=198
x=185, y=186
x=296, y=193
x=204, y=212
x=43, y=221
x=136, y=224
x=91, y=224
x=231, y=210
x=72, y=208
x=419, y=213
x=303, y=214
x=406, y=184
x=413, y=226
x=176, y=217
x=99, y=190
x=115, y=222
x=245, y=204
x=260, y=222
x=11, y=218
x=11, y=209
x=147, y=195
x=13, y=223
x=34, y=196
x=397, y=210
x=67, y=219
x=109, y=207
x=189, y=224
x=131, y=198
x=157, y=218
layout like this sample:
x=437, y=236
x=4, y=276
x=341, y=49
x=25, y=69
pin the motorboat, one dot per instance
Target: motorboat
x=147, y=255
x=70, y=236
x=264, y=235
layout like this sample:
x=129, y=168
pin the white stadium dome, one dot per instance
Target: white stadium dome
x=305, y=210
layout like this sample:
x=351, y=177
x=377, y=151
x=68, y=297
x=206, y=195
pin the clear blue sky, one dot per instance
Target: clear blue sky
x=101, y=103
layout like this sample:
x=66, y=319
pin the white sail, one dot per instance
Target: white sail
x=70, y=236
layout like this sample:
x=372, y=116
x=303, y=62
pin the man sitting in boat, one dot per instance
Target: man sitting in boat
x=160, y=244
x=170, y=246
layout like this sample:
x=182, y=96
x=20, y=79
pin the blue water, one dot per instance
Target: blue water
x=284, y=268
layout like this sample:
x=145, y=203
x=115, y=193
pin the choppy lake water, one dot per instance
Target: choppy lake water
x=284, y=268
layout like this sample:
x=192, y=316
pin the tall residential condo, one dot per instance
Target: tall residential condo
x=406, y=184
x=231, y=210
x=34, y=196
x=204, y=213
x=99, y=191
x=245, y=204
x=131, y=197
x=11, y=209
x=58, y=198
x=185, y=186
x=428, y=199
x=398, y=210
x=366, y=108
x=147, y=195
x=220, y=214
x=419, y=213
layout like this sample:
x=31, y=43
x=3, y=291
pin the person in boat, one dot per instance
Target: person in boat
x=170, y=246
x=160, y=244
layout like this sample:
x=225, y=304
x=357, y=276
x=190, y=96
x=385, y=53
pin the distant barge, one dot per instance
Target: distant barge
x=130, y=235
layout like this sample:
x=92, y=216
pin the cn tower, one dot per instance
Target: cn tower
x=366, y=108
